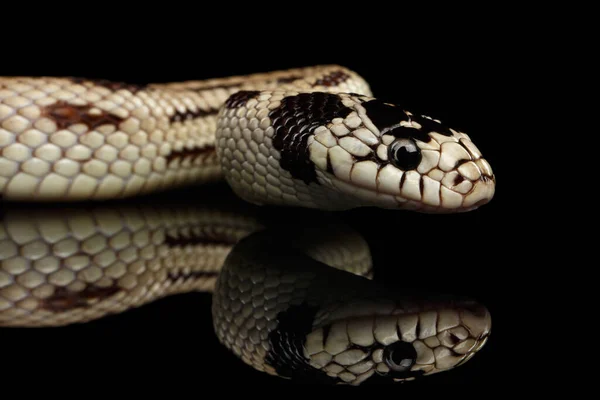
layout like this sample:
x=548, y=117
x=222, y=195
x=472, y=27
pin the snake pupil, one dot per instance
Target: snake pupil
x=400, y=356
x=405, y=154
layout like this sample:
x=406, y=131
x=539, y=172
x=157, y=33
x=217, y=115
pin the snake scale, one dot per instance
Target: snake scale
x=309, y=137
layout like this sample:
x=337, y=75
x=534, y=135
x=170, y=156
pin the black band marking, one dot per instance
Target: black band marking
x=386, y=116
x=429, y=125
x=295, y=121
x=286, y=342
x=240, y=98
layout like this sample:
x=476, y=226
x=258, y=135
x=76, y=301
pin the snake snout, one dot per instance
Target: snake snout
x=480, y=175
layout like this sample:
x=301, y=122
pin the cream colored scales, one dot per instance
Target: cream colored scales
x=68, y=139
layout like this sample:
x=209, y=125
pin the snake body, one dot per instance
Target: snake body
x=310, y=137
x=307, y=137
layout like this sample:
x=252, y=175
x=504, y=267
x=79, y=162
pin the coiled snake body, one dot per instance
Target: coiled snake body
x=310, y=137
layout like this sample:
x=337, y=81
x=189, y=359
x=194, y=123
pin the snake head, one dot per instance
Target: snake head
x=381, y=155
x=340, y=151
x=400, y=345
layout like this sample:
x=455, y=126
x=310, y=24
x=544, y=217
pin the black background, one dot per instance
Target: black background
x=457, y=72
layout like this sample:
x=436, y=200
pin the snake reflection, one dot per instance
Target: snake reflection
x=296, y=303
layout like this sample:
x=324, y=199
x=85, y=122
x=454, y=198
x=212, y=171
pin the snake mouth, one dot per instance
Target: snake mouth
x=451, y=347
x=454, y=193
x=444, y=358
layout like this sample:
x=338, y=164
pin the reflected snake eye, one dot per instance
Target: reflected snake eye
x=400, y=356
x=404, y=154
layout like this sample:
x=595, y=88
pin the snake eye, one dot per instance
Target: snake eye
x=400, y=356
x=404, y=154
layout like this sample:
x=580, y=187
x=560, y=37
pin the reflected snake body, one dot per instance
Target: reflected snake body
x=310, y=137
x=295, y=302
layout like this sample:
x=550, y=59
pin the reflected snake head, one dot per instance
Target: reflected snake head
x=288, y=314
x=401, y=345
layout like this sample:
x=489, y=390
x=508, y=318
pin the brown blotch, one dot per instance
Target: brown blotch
x=289, y=79
x=64, y=299
x=65, y=115
x=190, y=114
x=191, y=154
x=114, y=86
x=332, y=79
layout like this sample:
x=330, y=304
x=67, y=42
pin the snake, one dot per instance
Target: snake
x=291, y=301
x=309, y=137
